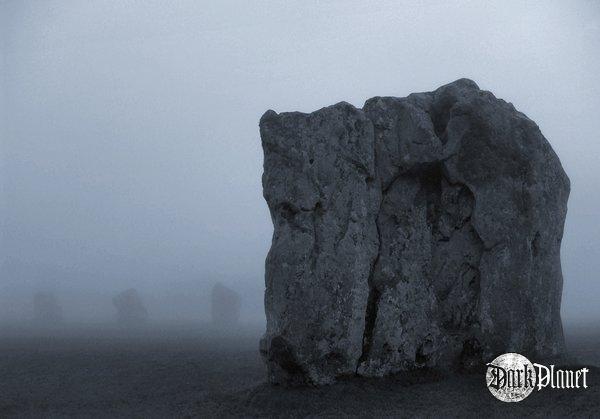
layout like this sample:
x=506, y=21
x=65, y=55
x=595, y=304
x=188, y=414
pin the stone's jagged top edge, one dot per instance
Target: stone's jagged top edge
x=460, y=83
x=268, y=115
x=271, y=114
x=463, y=83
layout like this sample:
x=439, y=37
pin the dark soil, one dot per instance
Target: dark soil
x=101, y=372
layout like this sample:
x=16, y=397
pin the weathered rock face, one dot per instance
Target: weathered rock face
x=418, y=231
x=225, y=306
x=130, y=308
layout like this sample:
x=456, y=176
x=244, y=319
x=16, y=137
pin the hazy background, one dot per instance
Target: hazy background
x=130, y=154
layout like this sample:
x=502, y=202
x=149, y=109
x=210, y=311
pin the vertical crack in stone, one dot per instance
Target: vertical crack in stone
x=374, y=293
x=455, y=276
x=317, y=215
x=370, y=313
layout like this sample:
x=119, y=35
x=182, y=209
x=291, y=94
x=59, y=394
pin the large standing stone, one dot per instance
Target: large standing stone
x=418, y=231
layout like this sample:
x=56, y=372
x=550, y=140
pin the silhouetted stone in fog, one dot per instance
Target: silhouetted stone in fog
x=417, y=231
x=46, y=309
x=130, y=308
x=226, y=305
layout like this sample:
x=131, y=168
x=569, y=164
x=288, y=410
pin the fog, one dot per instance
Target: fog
x=130, y=154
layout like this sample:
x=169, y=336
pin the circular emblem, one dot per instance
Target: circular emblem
x=510, y=377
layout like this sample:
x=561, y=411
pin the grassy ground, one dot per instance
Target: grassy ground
x=183, y=372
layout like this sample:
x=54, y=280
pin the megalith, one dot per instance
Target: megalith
x=130, y=308
x=225, y=306
x=415, y=232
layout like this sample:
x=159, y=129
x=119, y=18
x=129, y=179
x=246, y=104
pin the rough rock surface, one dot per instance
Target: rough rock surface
x=130, y=308
x=225, y=306
x=417, y=231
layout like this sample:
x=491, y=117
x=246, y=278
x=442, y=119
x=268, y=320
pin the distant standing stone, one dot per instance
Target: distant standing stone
x=130, y=308
x=226, y=305
x=417, y=231
x=46, y=309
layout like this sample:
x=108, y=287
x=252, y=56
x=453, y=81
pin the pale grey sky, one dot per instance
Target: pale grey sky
x=130, y=146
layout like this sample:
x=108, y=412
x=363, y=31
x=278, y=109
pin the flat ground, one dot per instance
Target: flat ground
x=185, y=372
